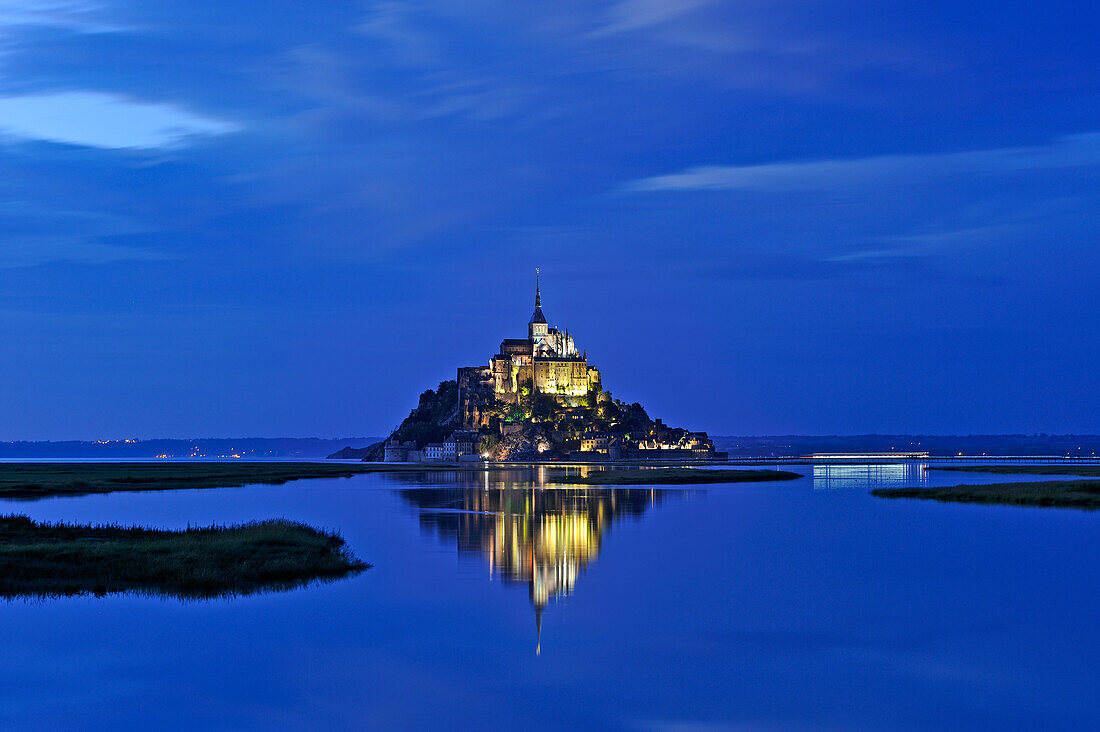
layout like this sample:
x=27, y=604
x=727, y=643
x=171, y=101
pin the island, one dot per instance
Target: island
x=30, y=481
x=537, y=399
x=1090, y=471
x=55, y=560
x=1083, y=494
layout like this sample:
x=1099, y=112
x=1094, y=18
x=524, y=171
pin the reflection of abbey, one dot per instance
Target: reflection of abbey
x=546, y=363
x=537, y=398
x=528, y=534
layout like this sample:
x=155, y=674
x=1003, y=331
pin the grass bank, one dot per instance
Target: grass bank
x=1051, y=493
x=674, y=476
x=53, y=560
x=1092, y=471
x=42, y=480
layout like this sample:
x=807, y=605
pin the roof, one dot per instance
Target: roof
x=571, y=359
x=537, y=316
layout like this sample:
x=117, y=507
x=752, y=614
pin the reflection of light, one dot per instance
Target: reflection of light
x=869, y=476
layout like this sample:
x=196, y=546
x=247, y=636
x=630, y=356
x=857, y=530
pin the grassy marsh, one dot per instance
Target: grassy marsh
x=1091, y=471
x=1084, y=494
x=54, y=560
x=42, y=480
x=31, y=481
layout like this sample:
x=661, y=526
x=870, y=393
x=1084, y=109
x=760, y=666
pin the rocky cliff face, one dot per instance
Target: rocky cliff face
x=528, y=443
x=434, y=418
x=539, y=427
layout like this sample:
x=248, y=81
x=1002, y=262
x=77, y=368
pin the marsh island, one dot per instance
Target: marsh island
x=1049, y=493
x=43, y=480
x=53, y=560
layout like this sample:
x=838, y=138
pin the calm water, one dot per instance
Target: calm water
x=771, y=605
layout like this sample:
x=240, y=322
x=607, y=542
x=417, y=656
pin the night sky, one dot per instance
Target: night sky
x=764, y=216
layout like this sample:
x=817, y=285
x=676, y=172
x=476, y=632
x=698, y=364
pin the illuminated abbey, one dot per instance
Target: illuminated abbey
x=546, y=362
x=536, y=398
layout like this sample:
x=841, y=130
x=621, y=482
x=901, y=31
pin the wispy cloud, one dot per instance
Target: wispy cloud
x=1077, y=151
x=34, y=250
x=80, y=17
x=32, y=234
x=94, y=119
x=390, y=24
x=631, y=15
x=930, y=243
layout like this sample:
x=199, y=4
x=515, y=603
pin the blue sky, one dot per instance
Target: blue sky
x=245, y=218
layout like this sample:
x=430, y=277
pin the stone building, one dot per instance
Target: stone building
x=595, y=442
x=398, y=452
x=461, y=442
x=545, y=362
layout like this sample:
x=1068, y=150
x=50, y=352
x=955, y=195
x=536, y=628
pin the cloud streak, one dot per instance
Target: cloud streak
x=1076, y=151
x=632, y=15
x=79, y=17
x=94, y=119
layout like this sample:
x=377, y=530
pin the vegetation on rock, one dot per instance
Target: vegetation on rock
x=434, y=418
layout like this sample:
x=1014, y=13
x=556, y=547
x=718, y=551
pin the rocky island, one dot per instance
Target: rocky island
x=538, y=398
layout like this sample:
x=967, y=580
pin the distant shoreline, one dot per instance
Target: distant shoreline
x=30, y=481
x=37, y=480
x=739, y=447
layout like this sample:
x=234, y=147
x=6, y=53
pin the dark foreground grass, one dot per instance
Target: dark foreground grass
x=1091, y=471
x=1051, y=493
x=42, y=480
x=54, y=560
x=675, y=476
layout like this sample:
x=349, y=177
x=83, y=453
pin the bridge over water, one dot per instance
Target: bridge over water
x=890, y=457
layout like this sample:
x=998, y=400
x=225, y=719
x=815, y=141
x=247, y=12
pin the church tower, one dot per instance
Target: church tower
x=536, y=327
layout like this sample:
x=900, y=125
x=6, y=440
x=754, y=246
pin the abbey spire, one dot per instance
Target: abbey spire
x=537, y=318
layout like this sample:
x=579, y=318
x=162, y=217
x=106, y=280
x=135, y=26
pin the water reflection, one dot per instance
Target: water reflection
x=829, y=477
x=528, y=533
